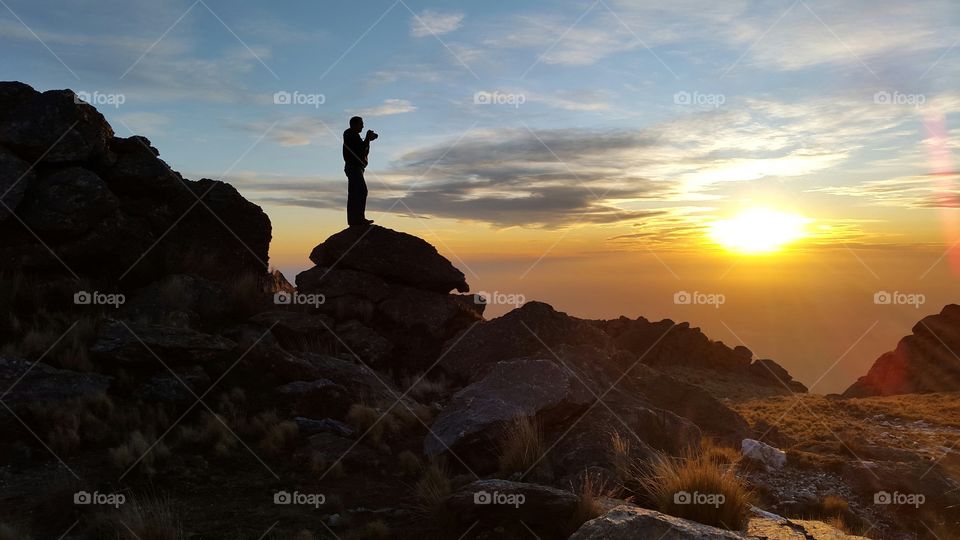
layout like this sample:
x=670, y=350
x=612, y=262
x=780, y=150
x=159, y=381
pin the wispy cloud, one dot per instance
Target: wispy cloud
x=430, y=23
x=387, y=108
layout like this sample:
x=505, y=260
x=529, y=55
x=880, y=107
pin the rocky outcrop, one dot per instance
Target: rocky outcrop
x=142, y=344
x=669, y=344
x=108, y=208
x=25, y=383
x=925, y=361
x=505, y=502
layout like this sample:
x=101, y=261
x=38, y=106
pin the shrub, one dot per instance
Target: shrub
x=367, y=421
x=432, y=490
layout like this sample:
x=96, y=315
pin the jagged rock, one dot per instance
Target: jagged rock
x=178, y=300
x=108, y=208
x=337, y=282
x=364, y=384
x=768, y=456
x=15, y=175
x=511, y=389
x=67, y=202
x=364, y=342
x=772, y=372
x=391, y=255
x=535, y=329
x=296, y=330
x=133, y=343
x=503, y=502
x=186, y=385
x=321, y=397
x=925, y=361
x=695, y=404
x=53, y=125
x=25, y=383
x=626, y=522
x=309, y=426
x=437, y=315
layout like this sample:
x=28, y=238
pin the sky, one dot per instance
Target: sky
x=574, y=152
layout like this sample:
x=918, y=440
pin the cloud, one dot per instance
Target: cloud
x=920, y=191
x=432, y=23
x=387, y=108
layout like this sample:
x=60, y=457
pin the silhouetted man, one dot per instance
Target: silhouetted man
x=355, y=152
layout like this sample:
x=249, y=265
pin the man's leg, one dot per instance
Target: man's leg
x=354, y=187
x=362, y=200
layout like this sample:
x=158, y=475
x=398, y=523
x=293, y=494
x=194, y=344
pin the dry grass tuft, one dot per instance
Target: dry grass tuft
x=367, y=420
x=431, y=492
x=408, y=463
x=695, y=488
x=149, y=518
x=521, y=446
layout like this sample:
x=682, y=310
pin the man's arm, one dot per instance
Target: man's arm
x=357, y=147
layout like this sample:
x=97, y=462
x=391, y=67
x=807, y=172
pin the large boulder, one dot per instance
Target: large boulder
x=142, y=344
x=695, y=404
x=470, y=423
x=626, y=522
x=393, y=256
x=179, y=300
x=925, y=361
x=534, y=329
x=15, y=175
x=53, y=126
x=504, y=502
x=435, y=315
x=25, y=383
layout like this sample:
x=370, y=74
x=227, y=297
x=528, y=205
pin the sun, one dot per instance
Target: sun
x=758, y=230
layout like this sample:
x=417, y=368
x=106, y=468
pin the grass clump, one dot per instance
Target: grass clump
x=521, y=446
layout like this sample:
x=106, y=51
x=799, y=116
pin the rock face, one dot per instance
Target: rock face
x=130, y=343
x=392, y=255
x=108, y=207
x=630, y=522
x=513, y=389
x=389, y=294
x=26, y=382
x=502, y=501
x=922, y=362
x=670, y=344
x=770, y=457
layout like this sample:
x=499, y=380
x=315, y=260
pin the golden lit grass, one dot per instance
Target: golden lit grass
x=665, y=481
x=520, y=446
x=717, y=453
x=847, y=424
x=589, y=490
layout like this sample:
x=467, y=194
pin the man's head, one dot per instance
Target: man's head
x=356, y=124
